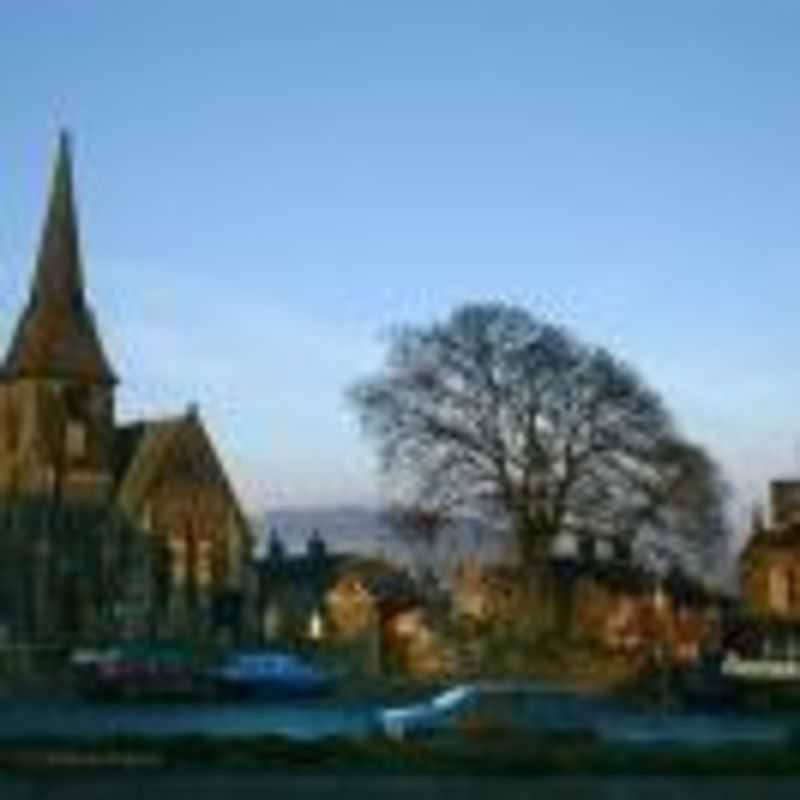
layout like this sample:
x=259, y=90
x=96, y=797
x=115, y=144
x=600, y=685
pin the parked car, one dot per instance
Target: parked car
x=425, y=717
x=88, y=658
x=486, y=710
x=268, y=673
x=136, y=670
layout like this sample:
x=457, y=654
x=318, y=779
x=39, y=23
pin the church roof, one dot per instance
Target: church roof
x=143, y=447
x=139, y=449
x=57, y=335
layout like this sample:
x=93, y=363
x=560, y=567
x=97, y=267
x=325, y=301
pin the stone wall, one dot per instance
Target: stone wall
x=771, y=581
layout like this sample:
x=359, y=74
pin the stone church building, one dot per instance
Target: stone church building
x=60, y=440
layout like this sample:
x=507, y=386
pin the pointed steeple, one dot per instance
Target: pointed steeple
x=56, y=336
x=58, y=268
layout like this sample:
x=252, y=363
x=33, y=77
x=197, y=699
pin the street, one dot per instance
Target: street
x=74, y=718
x=68, y=717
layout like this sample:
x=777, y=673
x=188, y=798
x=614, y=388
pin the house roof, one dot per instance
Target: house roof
x=301, y=568
x=624, y=576
x=615, y=574
x=782, y=536
x=392, y=589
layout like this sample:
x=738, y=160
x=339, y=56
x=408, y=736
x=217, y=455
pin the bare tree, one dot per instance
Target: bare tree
x=494, y=412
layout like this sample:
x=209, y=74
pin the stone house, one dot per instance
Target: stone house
x=625, y=608
x=292, y=588
x=606, y=600
x=482, y=593
x=357, y=610
x=768, y=621
x=769, y=564
x=377, y=610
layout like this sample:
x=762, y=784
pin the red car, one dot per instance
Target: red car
x=141, y=671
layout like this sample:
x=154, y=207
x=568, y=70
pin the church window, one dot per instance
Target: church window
x=12, y=423
x=204, y=563
x=315, y=627
x=99, y=407
x=779, y=589
x=147, y=517
x=50, y=477
x=76, y=439
x=76, y=401
x=271, y=623
x=791, y=591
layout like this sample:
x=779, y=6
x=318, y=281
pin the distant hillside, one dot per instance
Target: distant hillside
x=344, y=528
x=360, y=529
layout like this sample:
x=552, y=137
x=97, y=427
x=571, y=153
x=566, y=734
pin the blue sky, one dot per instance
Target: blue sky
x=265, y=187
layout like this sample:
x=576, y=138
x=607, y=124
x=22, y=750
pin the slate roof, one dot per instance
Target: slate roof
x=139, y=449
x=776, y=536
x=392, y=588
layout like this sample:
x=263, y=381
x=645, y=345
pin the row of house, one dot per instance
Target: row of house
x=609, y=601
x=352, y=607
x=602, y=596
x=332, y=602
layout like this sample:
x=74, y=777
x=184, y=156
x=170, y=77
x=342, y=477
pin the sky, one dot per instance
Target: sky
x=266, y=187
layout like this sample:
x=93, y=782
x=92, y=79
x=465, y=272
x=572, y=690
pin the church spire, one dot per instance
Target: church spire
x=56, y=336
x=58, y=276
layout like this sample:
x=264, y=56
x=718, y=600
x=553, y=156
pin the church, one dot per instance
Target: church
x=62, y=445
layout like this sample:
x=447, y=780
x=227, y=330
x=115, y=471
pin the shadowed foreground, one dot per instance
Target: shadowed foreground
x=200, y=785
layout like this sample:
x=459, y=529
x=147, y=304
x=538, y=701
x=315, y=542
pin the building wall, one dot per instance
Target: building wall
x=484, y=594
x=55, y=440
x=191, y=523
x=350, y=607
x=771, y=581
x=419, y=650
x=616, y=617
x=636, y=621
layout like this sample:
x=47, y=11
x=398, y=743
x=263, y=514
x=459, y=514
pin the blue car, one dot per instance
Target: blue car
x=269, y=674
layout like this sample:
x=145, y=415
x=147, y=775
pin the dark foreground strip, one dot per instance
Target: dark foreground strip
x=382, y=757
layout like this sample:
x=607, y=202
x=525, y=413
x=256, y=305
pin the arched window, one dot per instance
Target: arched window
x=779, y=588
x=77, y=415
x=76, y=439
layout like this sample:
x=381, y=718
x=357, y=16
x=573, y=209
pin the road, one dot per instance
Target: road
x=66, y=717
x=74, y=718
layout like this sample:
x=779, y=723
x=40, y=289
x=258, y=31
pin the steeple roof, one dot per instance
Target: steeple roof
x=56, y=335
